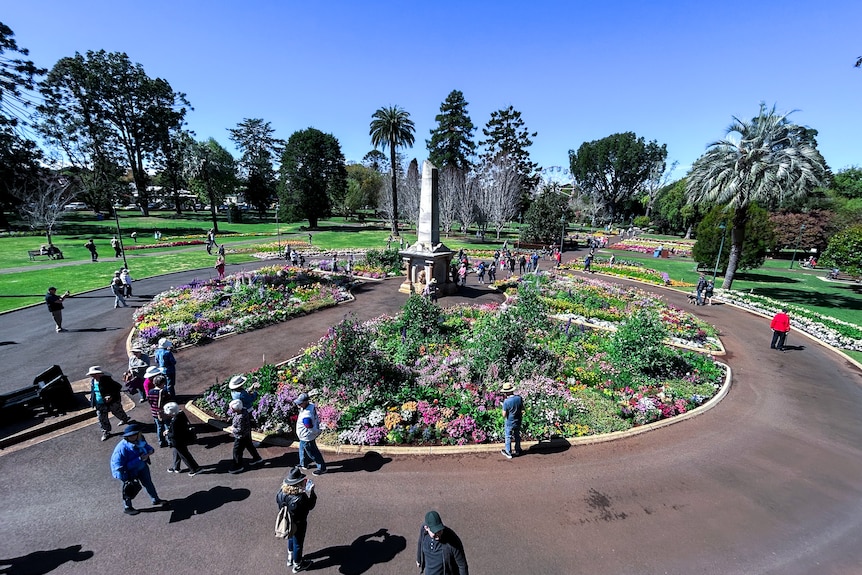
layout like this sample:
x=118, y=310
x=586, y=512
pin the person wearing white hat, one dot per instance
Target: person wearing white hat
x=151, y=372
x=117, y=289
x=138, y=364
x=180, y=435
x=241, y=424
x=165, y=359
x=238, y=391
x=105, y=397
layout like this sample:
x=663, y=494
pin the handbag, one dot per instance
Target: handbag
x=131, y=488
x=284, y=525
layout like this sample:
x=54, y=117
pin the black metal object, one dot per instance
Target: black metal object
x=55, y=390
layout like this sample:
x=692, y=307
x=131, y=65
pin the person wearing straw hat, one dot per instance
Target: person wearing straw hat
x=105, y=397
x=513, y=413
x=149, y=374
x=298, y=495
x=238, y=391
x=130, y=464
x=439, y=550
x=179, y=435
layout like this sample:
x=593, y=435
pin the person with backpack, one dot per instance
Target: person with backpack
x=298, y=497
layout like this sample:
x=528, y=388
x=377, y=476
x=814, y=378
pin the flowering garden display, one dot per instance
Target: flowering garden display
x=432, y=376
x=198, y=312
x=607, y=305
x=648, y=246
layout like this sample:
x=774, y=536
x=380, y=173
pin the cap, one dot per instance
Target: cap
x=433, y=522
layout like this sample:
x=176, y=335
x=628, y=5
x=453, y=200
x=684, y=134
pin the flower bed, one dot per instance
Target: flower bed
x=197, y=313
x=830, y=330
x=629, y=270
x=646, y=246
x=432, y=376
x=171, y=244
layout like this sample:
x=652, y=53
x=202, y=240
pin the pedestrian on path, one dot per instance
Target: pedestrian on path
x=241, y=425
x=219, y=266
x=513, y=414
x=439, y=550
x=297, y=494
x=134, y=236
x=780, y=326
x=127, y=282
x=115, y=243
x=211, y=241
x=157, y=398
x=55, y=306
x=165, y=359
x=139, y=362
x=91, y=247
x=307, y=430
x=179, y=435
x=130, y=464
x=117, y=289
x=105, y=397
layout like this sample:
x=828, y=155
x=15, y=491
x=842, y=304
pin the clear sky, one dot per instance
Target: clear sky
x=579, y=70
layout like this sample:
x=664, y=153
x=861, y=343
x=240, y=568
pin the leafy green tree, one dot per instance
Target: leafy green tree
x=673, y=213
x=177, y=153
x=313, y=176
x=19, y=156
x=255, y=139
x=616, y=168
x=102, y=106
x=759, y=238
x=392, y=127
x=377, y=161
x=848, y=183
x=770, y=159
x=544, y=218
x=506, y=135
x=212, y=175
x=451, y=142
x=845, y=251
x=363, y=187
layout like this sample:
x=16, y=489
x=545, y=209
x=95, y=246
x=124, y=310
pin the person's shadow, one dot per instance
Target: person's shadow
x=361, y=555
x=41, y=562
x=201, y=502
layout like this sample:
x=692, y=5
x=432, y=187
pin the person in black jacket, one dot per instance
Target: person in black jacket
x=439, y=550
x=105, y=397
x=179, y=434
x=297, y=493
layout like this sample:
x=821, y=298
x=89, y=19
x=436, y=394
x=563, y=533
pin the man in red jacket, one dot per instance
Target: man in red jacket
x=780, y=326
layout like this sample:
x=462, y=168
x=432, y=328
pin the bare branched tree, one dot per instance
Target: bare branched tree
x=498, y=198
x=451, y=178
x=658, y=179
x=43, y=203
x=409, y=190
x=465, y=201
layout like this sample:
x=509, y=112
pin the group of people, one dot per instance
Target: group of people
x=121, y=287
x=704, y=291
x=51, y=251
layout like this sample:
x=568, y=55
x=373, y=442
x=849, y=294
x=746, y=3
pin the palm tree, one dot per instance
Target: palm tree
x=392, y=127
x=765, y=160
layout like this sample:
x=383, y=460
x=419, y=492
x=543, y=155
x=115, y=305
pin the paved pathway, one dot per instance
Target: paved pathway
x=770, y=481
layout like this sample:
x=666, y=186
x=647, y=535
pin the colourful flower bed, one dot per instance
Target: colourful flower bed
x=171, y=244
x=630, y=270
x=197, y=313
x=647, y=246
x=432, y=376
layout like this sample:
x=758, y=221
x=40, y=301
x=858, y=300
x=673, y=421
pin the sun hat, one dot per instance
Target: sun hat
x=96, y=370
x=235, y=405
x=172, y=408
x=165, y=343
x=433, y=522
x=295, y=476
x=508, y=387
x=303, y=397
x=237, y=381
x=137, y=349
x=152, y=371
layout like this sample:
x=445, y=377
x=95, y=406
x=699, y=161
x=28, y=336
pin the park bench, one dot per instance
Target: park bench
x=36, y=253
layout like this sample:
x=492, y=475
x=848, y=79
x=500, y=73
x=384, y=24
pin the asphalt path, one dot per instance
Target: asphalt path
x=769, y=481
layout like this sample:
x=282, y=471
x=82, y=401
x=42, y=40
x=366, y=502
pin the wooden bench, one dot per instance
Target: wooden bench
x=36, y=253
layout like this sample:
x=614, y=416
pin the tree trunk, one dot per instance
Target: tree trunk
x=688, y=233
x=213, y=211
x=737, y=237
x=394, y=189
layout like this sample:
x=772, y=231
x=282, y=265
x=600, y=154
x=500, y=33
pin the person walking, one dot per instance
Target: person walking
x=480, y=272
x=55, y=306
x=513, y=414
x=138, y=364
x=105, y=397
x=307, y=430
x=115, y=243
x=117, y=289
x=134, y=236
x=165, y=359
x=588, y=262
x=157, y=398
x=130, y=463
x=701, y=287
x=211, y=241
x=492, y=271
x=219, y=266
x=126, y=277
x=179, y=435
x=780, y=325
x=297, y=494
x=439, y=550
x=91, y=247
x=241, y=425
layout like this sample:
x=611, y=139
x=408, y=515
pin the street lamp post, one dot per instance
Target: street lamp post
x=563, y=233
x=722, y=226
x=120, y=238
x=277, y=229
x=798, y=239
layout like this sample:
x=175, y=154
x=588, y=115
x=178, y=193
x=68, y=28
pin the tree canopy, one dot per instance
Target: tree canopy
x=845, y=251
x=763, y=160
x=212, y=173
x=616, y=168
x=543, y=217
x=392, y=127
x=313, y=176
x=101, y=107
x=451, y=142
x=255, y=139
x=506, y=135
x=759, y=239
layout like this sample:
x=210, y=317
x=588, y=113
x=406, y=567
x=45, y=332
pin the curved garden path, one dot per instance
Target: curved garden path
x=769, y=481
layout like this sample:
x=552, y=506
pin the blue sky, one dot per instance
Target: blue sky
x=670, y=71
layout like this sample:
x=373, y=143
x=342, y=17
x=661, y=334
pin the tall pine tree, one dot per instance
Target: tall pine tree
x=451, y=142
x=508, y=137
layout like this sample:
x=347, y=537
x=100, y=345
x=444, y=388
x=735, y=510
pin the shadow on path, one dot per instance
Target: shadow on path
x=201, y=502
x=365, y=552
x=41, y=562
